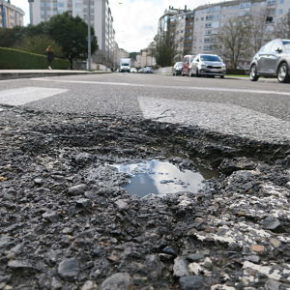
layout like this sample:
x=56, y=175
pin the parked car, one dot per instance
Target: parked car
x=177, y=68
x=148, y=70
x=272, y=60
x=208, y=65
x=141, y=70
x=133, y=70
x=186, y=67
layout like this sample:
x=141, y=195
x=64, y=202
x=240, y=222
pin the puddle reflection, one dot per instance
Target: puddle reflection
x=159, y=177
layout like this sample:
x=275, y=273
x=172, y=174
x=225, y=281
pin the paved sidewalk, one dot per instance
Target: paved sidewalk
x=15, y=74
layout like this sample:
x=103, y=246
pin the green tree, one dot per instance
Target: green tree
x=165, y=49
x=71, y=34
x=133, y=55
x=9, y=36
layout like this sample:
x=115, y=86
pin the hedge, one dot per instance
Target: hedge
x=11, y=58
x=237, y=72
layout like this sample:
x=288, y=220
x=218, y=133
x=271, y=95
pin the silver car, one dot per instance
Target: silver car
x=272, y=60
x=208, y=65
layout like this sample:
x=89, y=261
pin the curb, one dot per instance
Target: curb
x=6, y=75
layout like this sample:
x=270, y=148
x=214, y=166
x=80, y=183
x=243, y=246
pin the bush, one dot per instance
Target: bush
x=236, y=72
x=38, y=44
x=17, y=59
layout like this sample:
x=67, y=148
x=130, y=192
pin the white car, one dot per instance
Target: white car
x=208, y=65
x=133, y=70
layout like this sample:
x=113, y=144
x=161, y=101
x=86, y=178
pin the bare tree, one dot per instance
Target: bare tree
x=259, y=32
x=282, y=27
x=233, y=40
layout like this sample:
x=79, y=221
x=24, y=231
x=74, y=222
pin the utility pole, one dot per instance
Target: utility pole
x=89, y=36
x=31, y=11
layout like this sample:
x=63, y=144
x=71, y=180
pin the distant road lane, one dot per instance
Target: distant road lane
x=257, y=110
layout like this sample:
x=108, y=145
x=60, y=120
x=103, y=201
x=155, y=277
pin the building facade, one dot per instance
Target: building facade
x=10, y=15
x=196, y=31
x=210, y=19
x=100, y=18
x=172, y=24
x=146, y=56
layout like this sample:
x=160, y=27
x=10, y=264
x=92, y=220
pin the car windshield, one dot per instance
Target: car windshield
x=286, y=45
x=210, y=58
x=125, y=64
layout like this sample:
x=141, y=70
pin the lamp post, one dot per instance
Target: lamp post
x=31, y=11
x=89, y=36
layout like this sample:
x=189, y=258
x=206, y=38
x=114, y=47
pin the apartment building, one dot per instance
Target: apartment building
x=10, y=15
x=209, y=20
x=196, y=30
x=146, y=57
x=179, y=24
x=100, y=17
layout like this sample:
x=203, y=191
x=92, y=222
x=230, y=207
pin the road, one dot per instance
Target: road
x=257, y=110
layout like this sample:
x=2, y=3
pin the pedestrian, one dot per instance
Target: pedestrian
x=50, y=56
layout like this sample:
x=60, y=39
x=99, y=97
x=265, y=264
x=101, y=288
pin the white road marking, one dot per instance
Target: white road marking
x=216, y=89
x=223, y=118
x=22, y=96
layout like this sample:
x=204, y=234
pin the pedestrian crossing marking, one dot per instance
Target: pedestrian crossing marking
x=22, y=96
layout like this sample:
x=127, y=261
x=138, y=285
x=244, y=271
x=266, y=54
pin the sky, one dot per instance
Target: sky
x=135, y=21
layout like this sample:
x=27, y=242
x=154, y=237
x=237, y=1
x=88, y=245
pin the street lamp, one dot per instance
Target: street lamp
x=31, y=11
x=89, y=36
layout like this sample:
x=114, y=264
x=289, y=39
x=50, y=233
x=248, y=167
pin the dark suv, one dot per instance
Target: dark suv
x=272, y=60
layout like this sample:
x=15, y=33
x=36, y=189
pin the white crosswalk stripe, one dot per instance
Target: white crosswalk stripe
x=22, y=96
x=223, y=118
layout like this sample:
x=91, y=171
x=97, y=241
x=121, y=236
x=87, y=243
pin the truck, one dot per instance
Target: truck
x=125, y=64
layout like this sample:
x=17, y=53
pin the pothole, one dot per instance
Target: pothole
x=161, y=177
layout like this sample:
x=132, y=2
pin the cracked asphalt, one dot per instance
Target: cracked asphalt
x=67, y=223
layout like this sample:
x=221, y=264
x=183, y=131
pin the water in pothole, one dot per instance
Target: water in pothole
x=160, y=177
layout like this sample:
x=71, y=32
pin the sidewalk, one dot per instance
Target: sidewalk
x=15, y=74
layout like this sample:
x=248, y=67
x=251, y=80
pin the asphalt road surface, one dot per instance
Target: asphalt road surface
x=257, y=110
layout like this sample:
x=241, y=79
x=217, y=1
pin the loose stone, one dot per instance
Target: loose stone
x=192, y=282
x=89, y=285
x=118, y=281
x=69, y=268
x=180, y=267
x=271, y=223
x=77, y=189
x=258, y=248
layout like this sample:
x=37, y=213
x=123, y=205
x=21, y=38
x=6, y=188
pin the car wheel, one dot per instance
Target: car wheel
x=222, y=77
x=253, y=73
x=283, y=73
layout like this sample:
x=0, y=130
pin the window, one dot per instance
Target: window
x=286, y=45
x=269, y=19
x=205, y=57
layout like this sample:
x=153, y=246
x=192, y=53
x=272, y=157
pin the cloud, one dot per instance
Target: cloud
x=135, y=22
